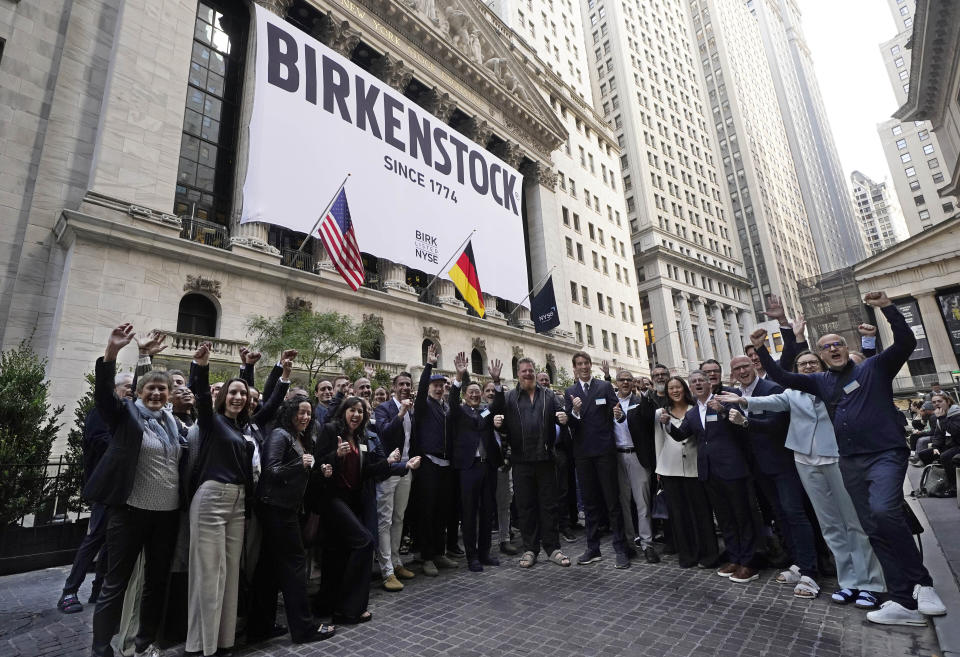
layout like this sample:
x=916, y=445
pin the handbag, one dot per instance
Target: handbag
x=310, y=529
x=660, y=511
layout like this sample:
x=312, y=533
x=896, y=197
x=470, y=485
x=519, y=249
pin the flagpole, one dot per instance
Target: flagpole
x=545, y=276
x=324, y=213
x=443, y=269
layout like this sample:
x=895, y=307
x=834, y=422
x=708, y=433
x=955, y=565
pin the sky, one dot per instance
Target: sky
x=844, y=38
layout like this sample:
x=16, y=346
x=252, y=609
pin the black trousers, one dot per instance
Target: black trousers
x=282, y=567
x=347, y=558
x=435, y=494
x=535, y=494
x=691, y=521
x=478, y=504
x=786, y=493
x=600, y=487
x=733, y=503
x=129, y=532
x=453, y=511
x=564, y=491
x=92, y=543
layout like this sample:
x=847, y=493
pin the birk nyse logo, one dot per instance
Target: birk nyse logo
x=426, y=247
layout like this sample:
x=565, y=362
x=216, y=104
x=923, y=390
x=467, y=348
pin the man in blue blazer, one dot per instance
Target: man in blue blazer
x=592, y=408
x=722, y=465
x=775, y=473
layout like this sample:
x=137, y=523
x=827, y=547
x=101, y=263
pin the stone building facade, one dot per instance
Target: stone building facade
x=122, y=145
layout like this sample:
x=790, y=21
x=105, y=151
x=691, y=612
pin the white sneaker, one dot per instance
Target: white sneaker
x=894, y=613
x=151, y=651
x=928, y=602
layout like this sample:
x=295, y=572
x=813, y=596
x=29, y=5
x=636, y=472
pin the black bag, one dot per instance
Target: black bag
x=933, y=482
x=660, y=511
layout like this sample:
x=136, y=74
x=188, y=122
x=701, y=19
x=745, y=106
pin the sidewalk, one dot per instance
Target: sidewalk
x=940, y=518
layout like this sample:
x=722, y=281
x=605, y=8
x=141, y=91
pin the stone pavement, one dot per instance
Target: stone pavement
x=650, y=610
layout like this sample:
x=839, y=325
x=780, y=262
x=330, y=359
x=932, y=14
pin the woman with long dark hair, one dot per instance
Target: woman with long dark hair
x=287, y=461
x=690, y=516
x=348, y=543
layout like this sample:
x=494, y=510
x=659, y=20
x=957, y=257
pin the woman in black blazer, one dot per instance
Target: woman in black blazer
x=348, y=543
x=287, y=461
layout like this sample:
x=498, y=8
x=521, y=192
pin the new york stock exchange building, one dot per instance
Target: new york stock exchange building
x=136, y=160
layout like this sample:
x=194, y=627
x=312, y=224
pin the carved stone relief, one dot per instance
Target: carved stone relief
x=201, y=284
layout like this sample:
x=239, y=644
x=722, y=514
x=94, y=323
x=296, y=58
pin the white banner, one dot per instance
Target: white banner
x=417, y=188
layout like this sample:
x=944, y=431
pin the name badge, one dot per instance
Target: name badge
x=601, y=402
x=711, y=418
x=485, y=412
x=630, y=407
x=363, y=447
x=850, y=387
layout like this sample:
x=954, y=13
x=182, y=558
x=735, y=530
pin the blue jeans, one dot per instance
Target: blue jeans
x=785, y=493
x=875, y=484
x=90, y=546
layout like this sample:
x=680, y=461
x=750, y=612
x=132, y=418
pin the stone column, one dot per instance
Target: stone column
x=522, y=318
x=446, y=294
x=666, y=338
x=686, y=331
x=749, y=325
x=490, y=308
x=937, y=336
x=736, y=335
x=721, y=332
x=706, y=347
x=395, y=279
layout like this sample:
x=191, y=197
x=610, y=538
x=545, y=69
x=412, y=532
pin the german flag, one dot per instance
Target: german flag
x=464, y=276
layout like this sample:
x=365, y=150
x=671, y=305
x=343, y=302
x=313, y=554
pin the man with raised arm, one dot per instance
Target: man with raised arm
x=873, y=455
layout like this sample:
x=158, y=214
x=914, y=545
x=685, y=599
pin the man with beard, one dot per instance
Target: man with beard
x=530, y=415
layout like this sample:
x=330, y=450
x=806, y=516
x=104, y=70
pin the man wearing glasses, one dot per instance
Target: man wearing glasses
x=873, y=455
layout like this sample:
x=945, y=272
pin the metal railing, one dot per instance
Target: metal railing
x=204, y=232
x=43, y=491
x=297, y=259
x=923, y=382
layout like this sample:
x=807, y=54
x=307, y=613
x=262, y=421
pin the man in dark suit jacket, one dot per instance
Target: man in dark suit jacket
x=775, y=473
x=722, y=465
x=476, y=457
x=593, y=408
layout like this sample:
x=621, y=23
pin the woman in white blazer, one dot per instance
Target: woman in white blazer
x=814, y=446
x=691, y=518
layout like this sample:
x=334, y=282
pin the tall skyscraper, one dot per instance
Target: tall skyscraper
x=881, y=220
x=911, y=147
x=768, y=209
x=822, y=182
x=694, y=294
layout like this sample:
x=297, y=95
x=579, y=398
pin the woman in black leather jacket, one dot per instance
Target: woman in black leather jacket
x=286, y=462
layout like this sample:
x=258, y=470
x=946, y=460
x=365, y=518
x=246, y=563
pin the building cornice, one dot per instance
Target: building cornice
x=935, y=56
x=874, y=265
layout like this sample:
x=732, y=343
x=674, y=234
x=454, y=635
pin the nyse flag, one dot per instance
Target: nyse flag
x=543, y=308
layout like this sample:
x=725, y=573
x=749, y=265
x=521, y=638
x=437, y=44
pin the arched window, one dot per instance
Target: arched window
x=476, y=362
x=423, y=351
x=551, y=370
x=514, y=365
x=197, y=316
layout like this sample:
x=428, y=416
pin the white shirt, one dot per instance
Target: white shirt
x=407, y=425
x=702, y=407
x=621, y=431
x=747, y=391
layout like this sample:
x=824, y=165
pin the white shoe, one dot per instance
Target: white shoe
x=928, y=602
x=151, y=651
x=894, y=613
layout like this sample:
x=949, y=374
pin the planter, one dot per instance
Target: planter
x=23, y=549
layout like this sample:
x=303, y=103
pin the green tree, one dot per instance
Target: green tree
x=70, y=482
x=319, y=338
x=28, y=427
x=564, y=380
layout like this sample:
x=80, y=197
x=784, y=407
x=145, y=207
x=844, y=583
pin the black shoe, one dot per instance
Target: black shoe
x=475, y=566
x=623, y=561
x=272, y=633
x=489, y=561
x=651, y=555
x=322, y=633
x=567, y=535
x=69, y=603
x=455, y=551
x=590, y=556
x=95, y=593
x=507, y=548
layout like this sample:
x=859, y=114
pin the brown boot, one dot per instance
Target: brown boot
x=744, y=574
x=727, y=569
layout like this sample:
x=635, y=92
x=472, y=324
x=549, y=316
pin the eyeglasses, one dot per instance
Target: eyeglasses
x=832, y=345
x=807, y=363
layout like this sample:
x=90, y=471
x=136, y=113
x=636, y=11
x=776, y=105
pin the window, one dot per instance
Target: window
x=938, y=177
x=910, y=172
x=476, y=362
x=897, y=129
x=580, y=253
x=905, y=158
x=424, y=346
x=914, y=185
x=947, y=207
x=928, y=149
x=589, y=336
x=197, y=315
x=924, y=214
x=895, y=50
x=600, y=301
x=205, y=172
x=898, y=62
x=918, y=200
x=901, y=144
x=573, y=292
x=923, y=135
x=596, y=261
x=585, y=295
x=576, y=222
x=578, y=329
x=569, y=243
x=933, y=163
x=606, y=339
x=566, y=216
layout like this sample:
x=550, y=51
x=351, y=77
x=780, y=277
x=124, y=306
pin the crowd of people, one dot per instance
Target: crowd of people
x=214, y=499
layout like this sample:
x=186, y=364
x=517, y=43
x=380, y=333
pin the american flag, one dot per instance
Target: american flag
x=340, y=241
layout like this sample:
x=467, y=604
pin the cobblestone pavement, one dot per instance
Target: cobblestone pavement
x=582, y=610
